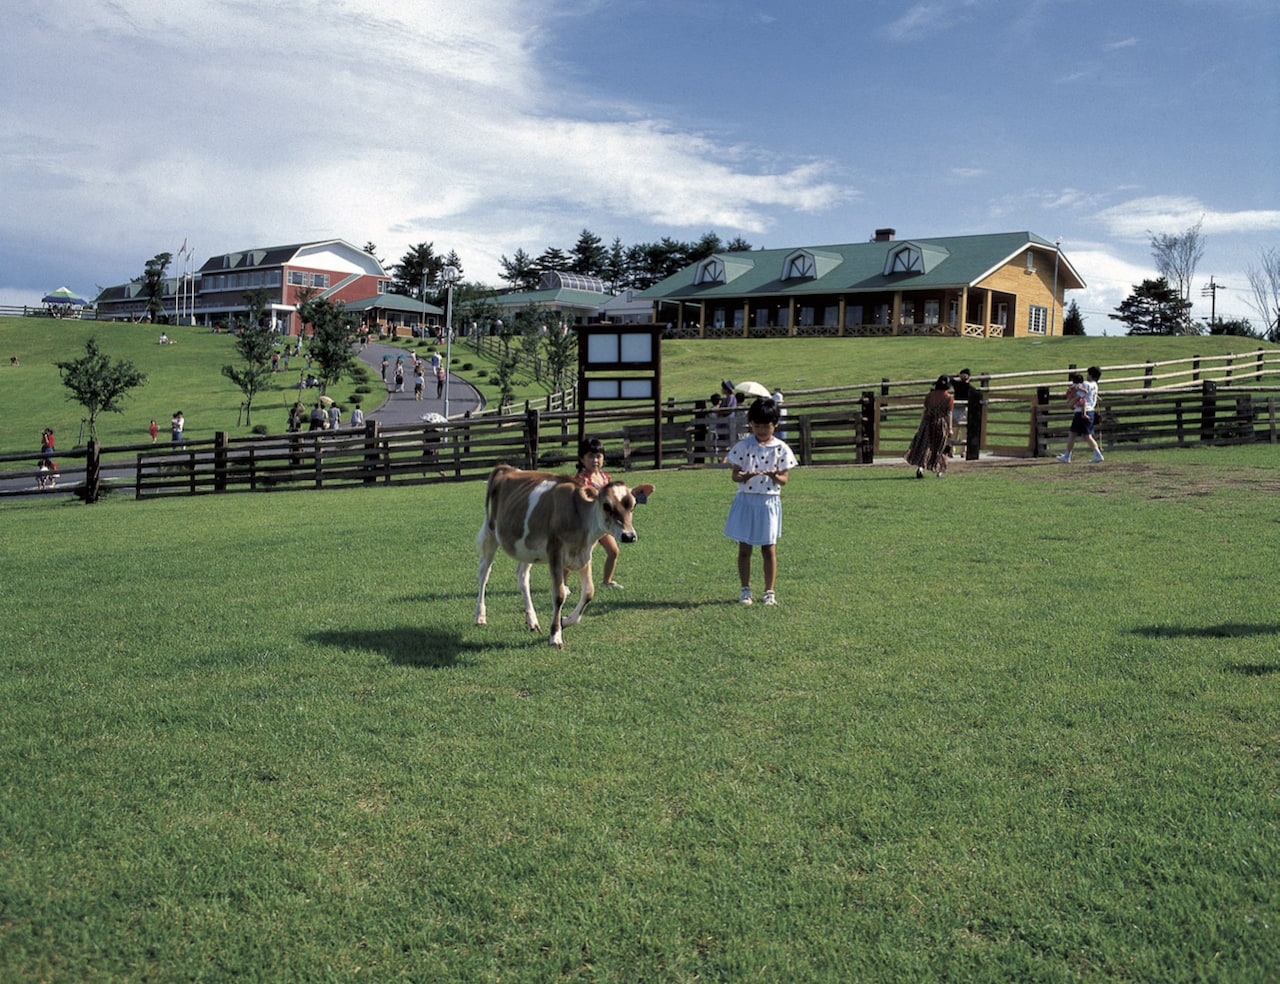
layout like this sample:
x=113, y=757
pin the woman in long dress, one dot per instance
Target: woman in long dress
x=929, y=447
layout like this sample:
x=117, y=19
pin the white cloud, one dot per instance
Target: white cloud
x=1136, y=218
x=390, y=120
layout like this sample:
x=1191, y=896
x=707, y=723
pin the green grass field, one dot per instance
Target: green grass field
x=187, y=376
x=1018, y=724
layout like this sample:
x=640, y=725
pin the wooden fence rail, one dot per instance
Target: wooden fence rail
x=827, y=432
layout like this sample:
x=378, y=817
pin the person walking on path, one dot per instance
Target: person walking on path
x=928, y=448
x=1082, y=397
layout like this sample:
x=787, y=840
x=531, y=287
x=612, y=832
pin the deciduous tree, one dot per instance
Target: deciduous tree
x=333, y=334
x=98, y=383
x=255, y=342
x=1264, y=282
x=1177, y=256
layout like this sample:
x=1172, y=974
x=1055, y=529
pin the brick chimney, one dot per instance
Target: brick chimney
x=885, y=235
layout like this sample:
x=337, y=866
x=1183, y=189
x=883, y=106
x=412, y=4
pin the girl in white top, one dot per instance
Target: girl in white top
x=761, y=466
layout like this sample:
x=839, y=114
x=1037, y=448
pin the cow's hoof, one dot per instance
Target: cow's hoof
x=481, y=620
x=557, y=642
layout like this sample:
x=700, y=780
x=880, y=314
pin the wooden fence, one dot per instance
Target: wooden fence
x=1006, y=416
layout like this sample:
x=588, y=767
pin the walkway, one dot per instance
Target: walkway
x=401, y=409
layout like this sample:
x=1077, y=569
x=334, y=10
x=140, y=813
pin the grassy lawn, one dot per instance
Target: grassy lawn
x=1016, y=724
x=187, y=376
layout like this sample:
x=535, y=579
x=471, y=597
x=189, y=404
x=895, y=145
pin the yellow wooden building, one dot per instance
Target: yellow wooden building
x=1000, y=285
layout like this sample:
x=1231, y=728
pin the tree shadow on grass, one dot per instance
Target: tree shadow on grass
x=1227, y=630
x=420, y=646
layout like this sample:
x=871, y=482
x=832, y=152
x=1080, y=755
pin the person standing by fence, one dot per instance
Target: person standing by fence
x=176, y=426
x=933, y=436
x=960, y=390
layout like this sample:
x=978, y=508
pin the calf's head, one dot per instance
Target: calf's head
x=617, y=503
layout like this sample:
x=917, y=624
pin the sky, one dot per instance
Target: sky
x=131, y=127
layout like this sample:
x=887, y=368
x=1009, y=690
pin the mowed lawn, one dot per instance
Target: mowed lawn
x=1016, y=724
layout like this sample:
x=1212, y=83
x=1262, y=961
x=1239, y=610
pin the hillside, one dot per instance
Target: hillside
x=188, y=376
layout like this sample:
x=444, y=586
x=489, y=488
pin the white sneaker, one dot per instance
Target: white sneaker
x=1065, y=457
x=1097, y=456
x=745, y=597
x=769, y=599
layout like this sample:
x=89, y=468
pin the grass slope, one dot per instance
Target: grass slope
x=187, y=376
x=1017, y=724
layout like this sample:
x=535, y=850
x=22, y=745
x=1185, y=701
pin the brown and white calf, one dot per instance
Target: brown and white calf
x=541, y=518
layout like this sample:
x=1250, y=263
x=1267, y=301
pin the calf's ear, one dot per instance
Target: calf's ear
x=642, y=493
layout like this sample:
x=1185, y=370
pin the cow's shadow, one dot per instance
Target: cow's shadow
x=421, y=646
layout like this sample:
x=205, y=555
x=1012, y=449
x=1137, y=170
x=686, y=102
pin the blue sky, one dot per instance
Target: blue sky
x=488, y=126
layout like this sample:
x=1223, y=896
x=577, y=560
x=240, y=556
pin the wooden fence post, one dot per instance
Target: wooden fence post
x=220, y=461
x=372, y=431
x=92, y=489
x=1039, y=436
x=1208, y=408
x=531, y=438
x=867, y=411
x=1146, y=375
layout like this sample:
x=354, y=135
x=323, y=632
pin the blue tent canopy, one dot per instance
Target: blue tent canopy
x=63, y=295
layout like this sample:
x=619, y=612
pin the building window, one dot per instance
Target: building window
x=931, y=312
x=908, y=259
x=297, y=278
x=1039, y=320
x=711, y=272
x=320, y=280
x=384, y=286
x=800, y=266
x=852, y=315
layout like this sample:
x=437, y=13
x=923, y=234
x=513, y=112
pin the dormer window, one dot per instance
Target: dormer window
x=710, y=272
x=907, y=259
x=800, y=267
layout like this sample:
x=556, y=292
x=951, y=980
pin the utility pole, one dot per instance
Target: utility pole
x=1210, y=290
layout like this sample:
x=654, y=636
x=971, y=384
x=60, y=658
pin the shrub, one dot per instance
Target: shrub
x=259, y=429
x=482, y=373
x=357, y=398
x=466, y=366
x=364, y=389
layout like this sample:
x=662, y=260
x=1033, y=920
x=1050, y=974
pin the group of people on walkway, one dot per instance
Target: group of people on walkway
x=946, y=411
x=419, y=370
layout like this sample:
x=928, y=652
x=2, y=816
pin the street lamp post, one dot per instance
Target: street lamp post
x=450, y=276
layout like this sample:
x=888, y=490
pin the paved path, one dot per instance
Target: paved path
x=400, y=409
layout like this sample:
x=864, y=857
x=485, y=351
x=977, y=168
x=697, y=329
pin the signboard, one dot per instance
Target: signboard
x=620, y=362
